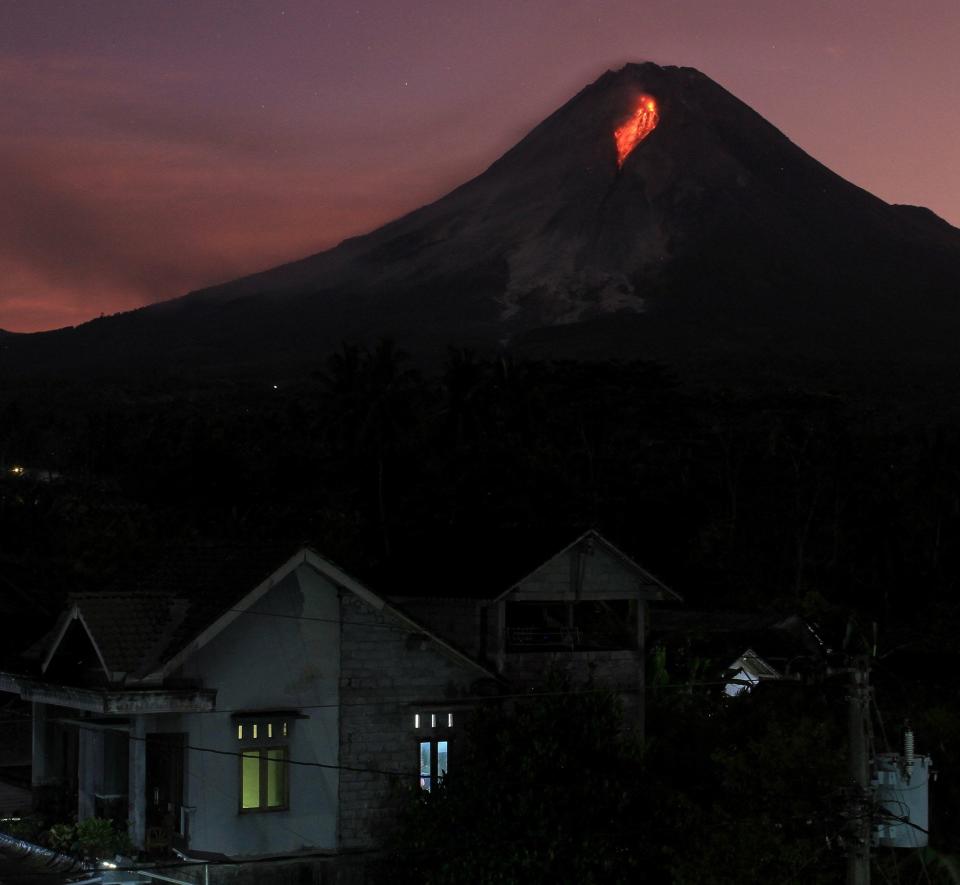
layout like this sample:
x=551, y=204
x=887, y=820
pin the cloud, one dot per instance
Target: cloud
x=118, y=189
x=90, y=226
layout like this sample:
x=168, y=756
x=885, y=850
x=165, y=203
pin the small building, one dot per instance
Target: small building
x=739, y=650
x=226, y=704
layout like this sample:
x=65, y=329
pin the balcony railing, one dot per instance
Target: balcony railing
x=521, y=639
x=543, y=637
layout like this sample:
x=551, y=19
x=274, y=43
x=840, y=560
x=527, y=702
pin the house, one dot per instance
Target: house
x=737, y=650
x=583, y=612
x=223, y=705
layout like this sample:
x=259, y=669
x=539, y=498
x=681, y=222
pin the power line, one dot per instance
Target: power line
x=471, y=699
x=358, y=769
x=246, y=611
x=239, y=754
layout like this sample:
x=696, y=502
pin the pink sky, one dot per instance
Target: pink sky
x=150, y=147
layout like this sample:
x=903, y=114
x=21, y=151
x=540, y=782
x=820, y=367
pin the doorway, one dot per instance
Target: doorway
x=165, y=760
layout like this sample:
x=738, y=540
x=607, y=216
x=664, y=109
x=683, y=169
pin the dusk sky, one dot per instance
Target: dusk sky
x=150, y=147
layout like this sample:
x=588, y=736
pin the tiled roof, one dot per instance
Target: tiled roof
x=145, y=618
x=126, y=626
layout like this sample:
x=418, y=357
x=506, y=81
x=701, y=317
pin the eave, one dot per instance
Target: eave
x=110, y=701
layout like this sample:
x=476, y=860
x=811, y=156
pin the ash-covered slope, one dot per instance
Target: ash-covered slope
x=717, y=236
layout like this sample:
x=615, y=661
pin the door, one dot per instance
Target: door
x=165, y=770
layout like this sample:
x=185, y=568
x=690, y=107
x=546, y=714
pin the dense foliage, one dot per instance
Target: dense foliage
x=556, y=789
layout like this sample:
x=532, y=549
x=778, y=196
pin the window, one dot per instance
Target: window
x=433, y=762
x=264, y=759
x=263, y=779
x=433, y=746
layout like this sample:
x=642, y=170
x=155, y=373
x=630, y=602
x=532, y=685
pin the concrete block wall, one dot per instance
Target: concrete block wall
x=386, y=676
x=621, y=671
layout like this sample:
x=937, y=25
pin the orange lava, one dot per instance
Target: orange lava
x=642, y=122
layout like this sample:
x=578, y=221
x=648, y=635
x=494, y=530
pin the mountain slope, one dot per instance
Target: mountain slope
x=718, y=236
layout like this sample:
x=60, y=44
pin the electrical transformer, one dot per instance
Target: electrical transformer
x=901, y=798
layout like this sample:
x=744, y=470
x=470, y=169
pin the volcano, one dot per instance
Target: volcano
x=654, y=215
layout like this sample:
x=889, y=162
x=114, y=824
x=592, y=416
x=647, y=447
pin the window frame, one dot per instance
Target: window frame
x=262, y=754
x=274, y=733
x=435, y=775
x=433, y=725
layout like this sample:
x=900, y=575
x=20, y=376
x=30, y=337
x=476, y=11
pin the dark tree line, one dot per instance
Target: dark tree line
x=813, y=498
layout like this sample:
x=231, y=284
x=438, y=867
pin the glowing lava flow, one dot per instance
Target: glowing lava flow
x=643, y=121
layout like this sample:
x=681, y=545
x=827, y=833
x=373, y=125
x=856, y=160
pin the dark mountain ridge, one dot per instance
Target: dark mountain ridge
x=718, y=238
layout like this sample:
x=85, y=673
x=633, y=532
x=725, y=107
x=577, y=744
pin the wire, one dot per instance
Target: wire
x=883, y=731
x=246, y=611
x=903, y=820
x=470, y=699
x=368, y=770
x=235, y=753
x=259, y=819
x=239, y=754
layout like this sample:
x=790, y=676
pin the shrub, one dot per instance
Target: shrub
x=92, y=838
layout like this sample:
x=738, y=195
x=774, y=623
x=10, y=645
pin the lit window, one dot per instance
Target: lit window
x=449, y=720
x=416, y=720
x=263, y=779
x=433, y=762
x=426, y=764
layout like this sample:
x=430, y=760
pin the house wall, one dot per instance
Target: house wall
x=580, y=573
x=456, y=620
x=387, y=675
x=620, y=671
x=53, y=765
x=263, y=662
x=599, y=573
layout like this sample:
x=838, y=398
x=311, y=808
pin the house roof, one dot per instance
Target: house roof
x=147, y=622
x=463, y=565
x=145, y=617
x=784, y=639
x=146, y=625
x=594, y=537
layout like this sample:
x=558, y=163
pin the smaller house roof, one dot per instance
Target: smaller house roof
x=481, y=564
x=147, y=615
x=784, y=640
x=593, y=537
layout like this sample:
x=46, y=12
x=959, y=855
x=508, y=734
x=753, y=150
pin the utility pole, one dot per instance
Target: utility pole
x=860, y=809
